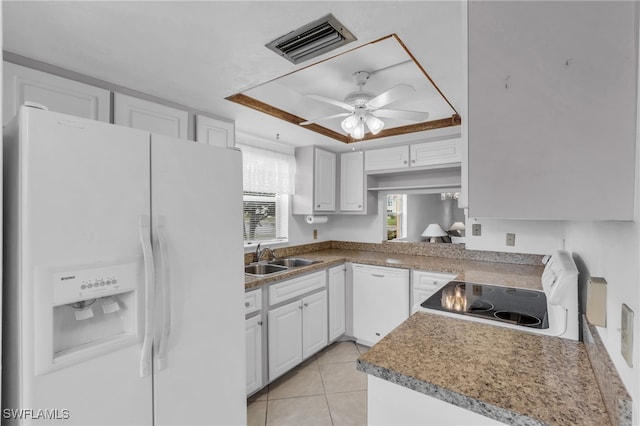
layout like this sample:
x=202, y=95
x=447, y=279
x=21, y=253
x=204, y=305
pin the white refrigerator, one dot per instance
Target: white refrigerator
x=123, y=277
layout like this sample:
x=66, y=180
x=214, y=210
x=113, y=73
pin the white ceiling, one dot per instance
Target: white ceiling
x=198, y=53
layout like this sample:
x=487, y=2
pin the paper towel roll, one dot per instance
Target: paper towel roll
x=312, y=220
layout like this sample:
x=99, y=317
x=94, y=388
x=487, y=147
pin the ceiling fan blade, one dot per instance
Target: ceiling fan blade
x=331, y=101
x=401, y=114
x=391, y=95
x=328, y=117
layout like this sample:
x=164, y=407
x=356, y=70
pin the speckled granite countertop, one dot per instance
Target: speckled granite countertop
x=508, y=274
x=508, y=375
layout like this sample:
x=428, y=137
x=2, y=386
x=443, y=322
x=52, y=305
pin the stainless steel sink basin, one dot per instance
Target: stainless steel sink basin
x=263, y=269
x=276, y=266
x=293, y=262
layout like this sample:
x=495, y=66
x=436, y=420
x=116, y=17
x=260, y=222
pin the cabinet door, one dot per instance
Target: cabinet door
x=150, y=116
x=380, y=301
x=285, y=338
x=215, y=132
x=22, y=84
x=396, y=157
x=253, y=333
x=352, y=181
x=434, y=153
x=538, y=101
x=314, y=323
x=324, y=181
x=337, y=302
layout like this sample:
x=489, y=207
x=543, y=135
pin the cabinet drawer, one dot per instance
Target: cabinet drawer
x=252, y=301
x=290, y=289
x=430, y=280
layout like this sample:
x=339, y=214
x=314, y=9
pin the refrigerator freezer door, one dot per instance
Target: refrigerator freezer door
x=197, y=201
x=82, y=187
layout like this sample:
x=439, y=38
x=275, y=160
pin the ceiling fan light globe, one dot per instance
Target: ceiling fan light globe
x=358, y=132
x=349, y=123
x=374, y=124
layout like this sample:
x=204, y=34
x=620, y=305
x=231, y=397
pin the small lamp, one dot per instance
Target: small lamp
x=458, y=229
x=434, y=230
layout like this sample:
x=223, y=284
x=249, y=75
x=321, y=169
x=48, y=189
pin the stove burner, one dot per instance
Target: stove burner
x=522, y=293
x=479, y=306
x=517, y=318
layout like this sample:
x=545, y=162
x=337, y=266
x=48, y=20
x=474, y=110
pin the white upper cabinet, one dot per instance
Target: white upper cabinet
x=315, y=181
x=352, y=191
x=22, y=84
x=215, y=132
x=396, y=157
x=150, y=116
x=423, y=154
x=433, y=153
x=552, y=110
x=325, y=181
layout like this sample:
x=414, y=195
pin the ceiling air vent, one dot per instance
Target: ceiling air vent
x=312, y=40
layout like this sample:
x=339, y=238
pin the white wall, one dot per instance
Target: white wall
x=610, y=250
x=536, y=237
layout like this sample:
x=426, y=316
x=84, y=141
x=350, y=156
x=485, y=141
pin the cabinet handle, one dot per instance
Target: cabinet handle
x=260, y=323
x=318, y=206
x=377, y=334
x=359, y=206
x=299, y=307
x=405, y=161
x=413, y=161
x=247, y=304
x=306, y=304
x=377, y=275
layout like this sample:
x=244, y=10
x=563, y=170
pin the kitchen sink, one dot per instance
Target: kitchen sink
x=276, y=266
x=263, y=269
x=293, y=262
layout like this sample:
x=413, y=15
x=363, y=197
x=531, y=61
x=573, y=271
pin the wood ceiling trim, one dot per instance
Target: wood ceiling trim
x=265, y=108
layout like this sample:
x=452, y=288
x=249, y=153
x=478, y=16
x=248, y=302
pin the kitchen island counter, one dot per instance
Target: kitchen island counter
x=511, y=376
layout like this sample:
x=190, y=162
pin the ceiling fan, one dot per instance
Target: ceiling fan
x=365, y=108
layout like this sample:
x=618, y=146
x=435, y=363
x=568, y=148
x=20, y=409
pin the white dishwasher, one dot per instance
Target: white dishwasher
x=380, y=301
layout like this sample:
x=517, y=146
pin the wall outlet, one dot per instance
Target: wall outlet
x=626, y=328
x=511, y=239
x=476, y=229
x=315, y=234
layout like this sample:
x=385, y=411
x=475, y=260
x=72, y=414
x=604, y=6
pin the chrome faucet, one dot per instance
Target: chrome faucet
x=260, y=252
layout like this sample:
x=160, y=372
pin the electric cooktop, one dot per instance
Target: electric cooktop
x=517, y=306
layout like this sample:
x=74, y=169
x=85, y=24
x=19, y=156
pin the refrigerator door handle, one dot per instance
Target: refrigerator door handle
x=165, y=285
x=149, y=278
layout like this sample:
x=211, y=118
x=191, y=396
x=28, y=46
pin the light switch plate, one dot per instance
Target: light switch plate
x=626, y=346
x=476, y=229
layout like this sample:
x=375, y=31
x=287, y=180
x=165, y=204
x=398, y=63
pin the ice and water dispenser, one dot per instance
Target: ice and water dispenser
x=90, y=311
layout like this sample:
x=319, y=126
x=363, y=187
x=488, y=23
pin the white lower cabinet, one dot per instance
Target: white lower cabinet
x=253, y=334
x=337, y=302
x=380, y=301
x=425, y=284
x=296, y=331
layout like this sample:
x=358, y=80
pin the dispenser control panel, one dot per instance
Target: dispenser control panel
x=81, y=284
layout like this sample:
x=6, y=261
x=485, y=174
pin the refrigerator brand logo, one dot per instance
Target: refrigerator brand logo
x=39, y=414
x=71, y=277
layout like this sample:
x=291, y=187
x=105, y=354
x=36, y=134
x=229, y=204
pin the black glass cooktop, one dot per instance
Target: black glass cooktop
x=527, y=308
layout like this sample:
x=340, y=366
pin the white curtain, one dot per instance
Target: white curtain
x=267, y=171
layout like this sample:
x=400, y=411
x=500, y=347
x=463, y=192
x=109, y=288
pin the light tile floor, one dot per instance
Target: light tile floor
x=326, y=389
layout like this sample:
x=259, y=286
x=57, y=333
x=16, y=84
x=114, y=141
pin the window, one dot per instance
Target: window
x=396, y=216
x=267, y=181
x=265, y=217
